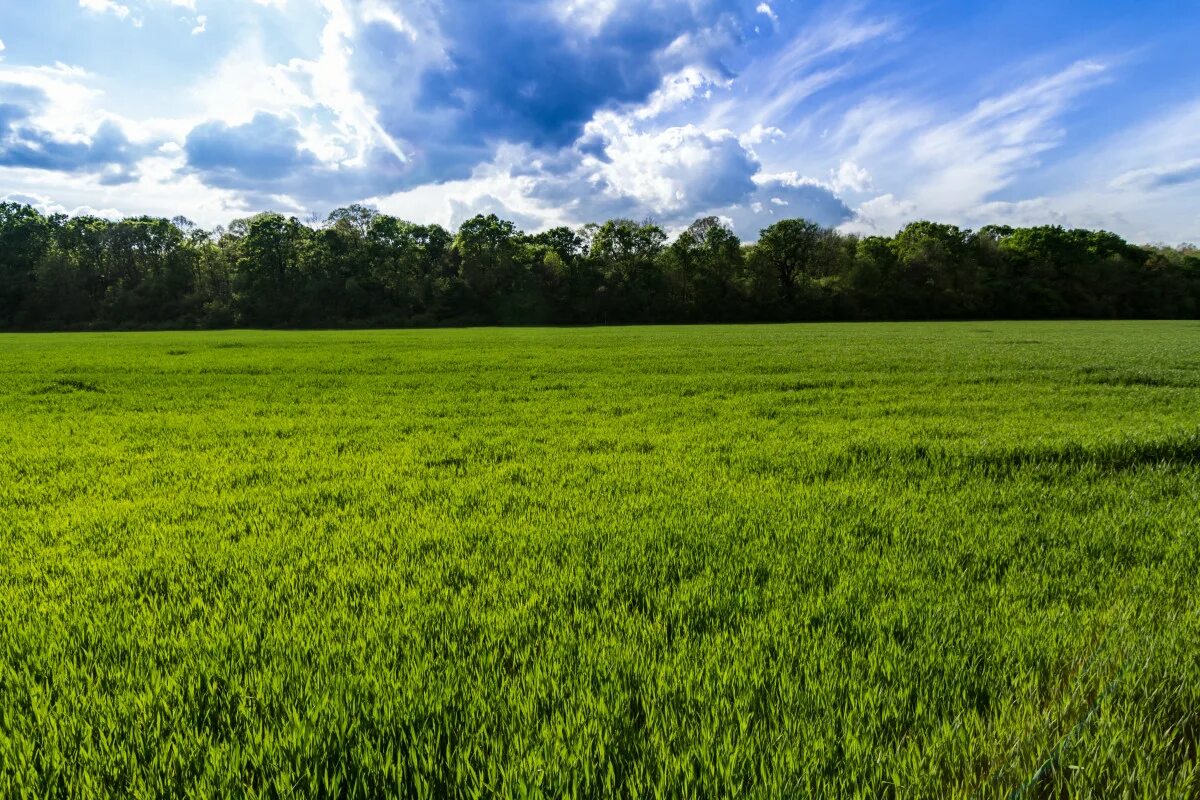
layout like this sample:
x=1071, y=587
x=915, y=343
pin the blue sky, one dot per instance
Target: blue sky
x=863, y=116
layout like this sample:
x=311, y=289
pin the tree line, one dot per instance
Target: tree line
x=362, y=268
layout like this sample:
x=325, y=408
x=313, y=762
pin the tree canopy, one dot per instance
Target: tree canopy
x=363, y=268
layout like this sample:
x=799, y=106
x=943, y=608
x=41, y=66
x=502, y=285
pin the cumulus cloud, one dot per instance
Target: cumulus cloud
x=25, y=144
x=265, y=150
x=404, y=94
x=461, y=210
x=673, y=175
x=267, y=161
x=439, y=85
x=420, y=83
x=786, y=197
x=851, y=177
x=883, y=214
x=670, y=170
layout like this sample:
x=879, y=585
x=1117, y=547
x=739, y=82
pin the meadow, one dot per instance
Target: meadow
x=846, y=560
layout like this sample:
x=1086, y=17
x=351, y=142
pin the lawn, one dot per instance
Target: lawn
x=911, y=560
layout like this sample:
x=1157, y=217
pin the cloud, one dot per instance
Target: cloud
x=969, y=158
x=1160, y=177
x=437, y=82
x=934, y=162
x=671, y=170
x=266, y=160
x=24, y=144
x=131, y=12
x=851, y=177
x=336, y=120
x=262, y=152
x=776, y=86
x=416, y=87
x=201, y=25
x=106, y=6
x=620, y=167
x=460, y=211
x=784, y=197
x=1140, y=182
x=883, y=214
x=48, y=206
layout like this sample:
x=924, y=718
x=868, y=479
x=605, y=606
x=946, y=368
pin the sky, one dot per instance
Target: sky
x=862, y=116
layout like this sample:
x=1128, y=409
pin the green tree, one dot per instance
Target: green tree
x=24, y=239
x=487, y=249
x=625, y=255
x=707, y=268
x=787, y=252
x=266, y=274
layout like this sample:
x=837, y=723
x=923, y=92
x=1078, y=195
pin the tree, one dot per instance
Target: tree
x=358, y=266
x=789, y=250
x=24, y=240
x=625, y=254
x=707, y=270
x=268, y=249
x=486, y=248
x=938, y=275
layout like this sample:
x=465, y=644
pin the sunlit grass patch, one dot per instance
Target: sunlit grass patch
x=765, y=561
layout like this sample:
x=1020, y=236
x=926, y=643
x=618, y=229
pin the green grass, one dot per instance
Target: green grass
x=915, y=560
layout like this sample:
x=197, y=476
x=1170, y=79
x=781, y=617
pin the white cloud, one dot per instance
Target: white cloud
x=1143, y=183
x=669, y=170
x=491, y=188
x=680, y=87
x=588, y=16
x=106, y=6
x=777, y=86
x=157, y=192
x=884, y=214
x=850, y=177
x=335, y=120
x=928, y=162
x=1160, y=176
x=70, y=99
x=765, y=8
x=760, y=133
x=201, y=25
x=1160, y=154
x=378, y=11
x=969, y=158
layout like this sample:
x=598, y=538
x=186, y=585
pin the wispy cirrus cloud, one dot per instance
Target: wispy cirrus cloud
x=936, y=162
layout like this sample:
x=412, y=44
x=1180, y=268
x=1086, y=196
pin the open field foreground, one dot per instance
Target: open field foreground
x=911, y=560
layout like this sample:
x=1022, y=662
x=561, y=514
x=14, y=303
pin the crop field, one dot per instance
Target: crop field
x=876, y=560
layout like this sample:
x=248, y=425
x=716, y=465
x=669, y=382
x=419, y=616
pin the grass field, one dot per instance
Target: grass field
x=912, y=560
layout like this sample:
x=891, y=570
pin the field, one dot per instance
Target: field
x=910, y=560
